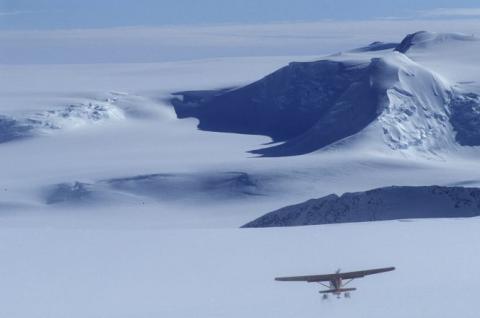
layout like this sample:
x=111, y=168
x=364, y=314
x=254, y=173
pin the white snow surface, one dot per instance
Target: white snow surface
x=105, y=250
x=229, y=272
x=450, y=54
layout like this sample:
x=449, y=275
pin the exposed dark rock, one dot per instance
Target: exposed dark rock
x=390, y=203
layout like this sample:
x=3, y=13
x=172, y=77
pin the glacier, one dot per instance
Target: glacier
x=137, y=213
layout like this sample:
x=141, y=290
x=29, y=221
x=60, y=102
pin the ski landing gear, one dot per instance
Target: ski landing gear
x=339, y=295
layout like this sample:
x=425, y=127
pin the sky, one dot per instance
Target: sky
x=145, y=31
x=79, y=14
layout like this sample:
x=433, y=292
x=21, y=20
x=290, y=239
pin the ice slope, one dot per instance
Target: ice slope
x=455, y=57
x=390, y=203
x=417, y=113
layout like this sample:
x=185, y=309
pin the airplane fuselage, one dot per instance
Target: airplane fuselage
x=336, y=287
x=336, y=283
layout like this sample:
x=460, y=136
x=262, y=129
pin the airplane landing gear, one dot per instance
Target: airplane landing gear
x=325, y=297
x=347, y=295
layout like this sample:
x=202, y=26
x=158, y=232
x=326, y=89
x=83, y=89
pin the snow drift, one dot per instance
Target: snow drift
x=164, y=187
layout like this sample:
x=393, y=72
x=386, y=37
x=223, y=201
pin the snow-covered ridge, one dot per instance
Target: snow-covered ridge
x=376, y=46
x=426, y=40
x=389, y=203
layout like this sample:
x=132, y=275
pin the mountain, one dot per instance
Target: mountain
x=388, y=203
x=309, y=105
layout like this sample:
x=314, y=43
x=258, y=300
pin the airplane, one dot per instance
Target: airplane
x=336, y=281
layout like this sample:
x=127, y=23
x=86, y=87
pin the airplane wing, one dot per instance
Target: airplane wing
x=359, y=274
x=329, y=277
x=308, y=278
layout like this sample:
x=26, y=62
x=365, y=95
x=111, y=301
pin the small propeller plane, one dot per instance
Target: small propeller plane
x=336, y=281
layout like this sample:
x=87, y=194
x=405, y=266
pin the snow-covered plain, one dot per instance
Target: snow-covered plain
x=53, y=272
x=122, y=210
